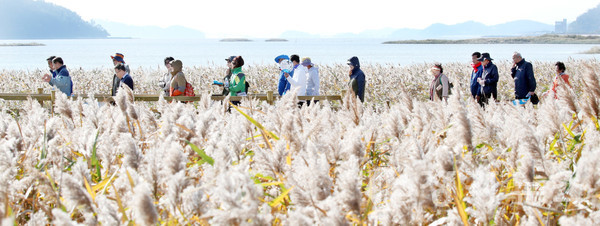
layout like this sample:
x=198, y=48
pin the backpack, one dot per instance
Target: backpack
x=189, y=90
x=247, y=86
x=450, y=85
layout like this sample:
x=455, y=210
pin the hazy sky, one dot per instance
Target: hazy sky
x=269, y=18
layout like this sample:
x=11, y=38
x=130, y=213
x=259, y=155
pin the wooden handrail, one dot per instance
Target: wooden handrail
x=269, y=97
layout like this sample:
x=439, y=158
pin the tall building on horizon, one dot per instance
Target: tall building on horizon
x=560, y=27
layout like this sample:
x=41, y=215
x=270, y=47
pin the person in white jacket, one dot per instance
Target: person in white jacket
x=298, y=82
x=312, y=80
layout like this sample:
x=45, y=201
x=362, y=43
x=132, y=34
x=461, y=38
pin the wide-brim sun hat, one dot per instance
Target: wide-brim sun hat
x=485, y=56
x=280, y=57
x=306, y=62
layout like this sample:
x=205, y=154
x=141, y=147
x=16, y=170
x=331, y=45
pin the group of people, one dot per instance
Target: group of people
x=302, y=77
x=485, y=76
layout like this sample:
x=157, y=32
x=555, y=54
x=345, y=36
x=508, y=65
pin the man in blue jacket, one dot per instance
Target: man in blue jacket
x=488, y=80
x=283, y=83
x=61, y=78
x=475, y=74
x=522, y=73
x=357, y=78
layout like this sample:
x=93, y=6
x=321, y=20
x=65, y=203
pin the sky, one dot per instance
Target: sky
x=270, y=18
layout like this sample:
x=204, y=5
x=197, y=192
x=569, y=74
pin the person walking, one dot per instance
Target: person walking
x=225, y=83
x=178, y=82
x=61, y=79
x=237, y=82
x=357, y=78
x=312, y=80
x=164, y=82
x=283, y=85
x=488, y=80
x=118, y=58
x=440, y=85
x=522, y=74
x=123, y=75
x=475, y=74
x=560, y=78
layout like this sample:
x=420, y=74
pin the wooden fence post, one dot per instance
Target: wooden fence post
x=270, y=97
x=52, y=96
x=41, y=91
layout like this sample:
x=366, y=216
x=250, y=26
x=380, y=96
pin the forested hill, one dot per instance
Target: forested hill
x=29, y=19
x=587, y=23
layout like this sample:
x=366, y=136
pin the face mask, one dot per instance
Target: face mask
x=286, y=66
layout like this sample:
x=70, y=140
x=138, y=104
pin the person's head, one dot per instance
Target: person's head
x=167, y=62
x=560, y=67
x=295, y=59
x=238, y=61
x=475, y=57
x=436, y=69
x=176, y=66
x=120, y=70
x=57, y=62
x=49, y=60
x=280, y=58
x=485, y=59
x=307, y=62
x=517, y=57
x=229, y=61
x=353, y=62
x=118, y=58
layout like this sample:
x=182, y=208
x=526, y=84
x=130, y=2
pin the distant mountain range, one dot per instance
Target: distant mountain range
x=587, y=23
x=29, y=19
x=464, y=30
x=124, y=30
x=36, y=19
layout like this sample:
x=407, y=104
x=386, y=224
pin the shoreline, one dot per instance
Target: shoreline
x=543, y=39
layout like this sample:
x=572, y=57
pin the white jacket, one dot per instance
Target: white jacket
x=312, y=83
x=298, y=81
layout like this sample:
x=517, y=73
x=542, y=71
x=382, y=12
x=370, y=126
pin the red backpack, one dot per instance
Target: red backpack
x=189, y=90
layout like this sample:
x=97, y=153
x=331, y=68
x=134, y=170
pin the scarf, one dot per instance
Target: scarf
x=475, y=66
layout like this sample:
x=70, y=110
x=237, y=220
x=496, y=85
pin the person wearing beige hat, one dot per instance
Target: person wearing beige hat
x=440, y=85
x=312, y=81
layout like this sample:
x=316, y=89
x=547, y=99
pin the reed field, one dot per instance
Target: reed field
x=414, y=162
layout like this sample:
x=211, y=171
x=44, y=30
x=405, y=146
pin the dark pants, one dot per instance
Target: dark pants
x=483, y=100
x=308, y=102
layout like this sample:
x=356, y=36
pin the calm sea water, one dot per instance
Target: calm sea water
x=95, y=53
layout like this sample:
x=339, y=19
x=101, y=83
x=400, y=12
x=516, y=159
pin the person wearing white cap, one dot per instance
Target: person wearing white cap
x=312, y=82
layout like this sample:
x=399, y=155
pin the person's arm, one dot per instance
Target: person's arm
x=565, y=78
x=493, y=77
x=282, y=84
x=445, y=87
x=240, y=83
x=530, y=78
x=513, y=71
x=299, y=79
x=362, y=82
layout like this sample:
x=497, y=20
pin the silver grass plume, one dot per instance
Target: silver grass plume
x=63, y=106
x=144, y=209
x=460, y=132
x=62, y=218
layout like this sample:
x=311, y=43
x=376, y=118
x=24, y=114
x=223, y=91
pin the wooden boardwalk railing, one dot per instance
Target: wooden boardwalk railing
x=269, y=97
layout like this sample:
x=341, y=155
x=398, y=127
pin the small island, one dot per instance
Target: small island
x=276, y=40
x=235, y=40
x=22, y=44
x=542, y=39
x=593, y=50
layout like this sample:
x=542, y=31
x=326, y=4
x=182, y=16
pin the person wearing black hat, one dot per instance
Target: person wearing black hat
x=488, y=81
x=225, y=83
